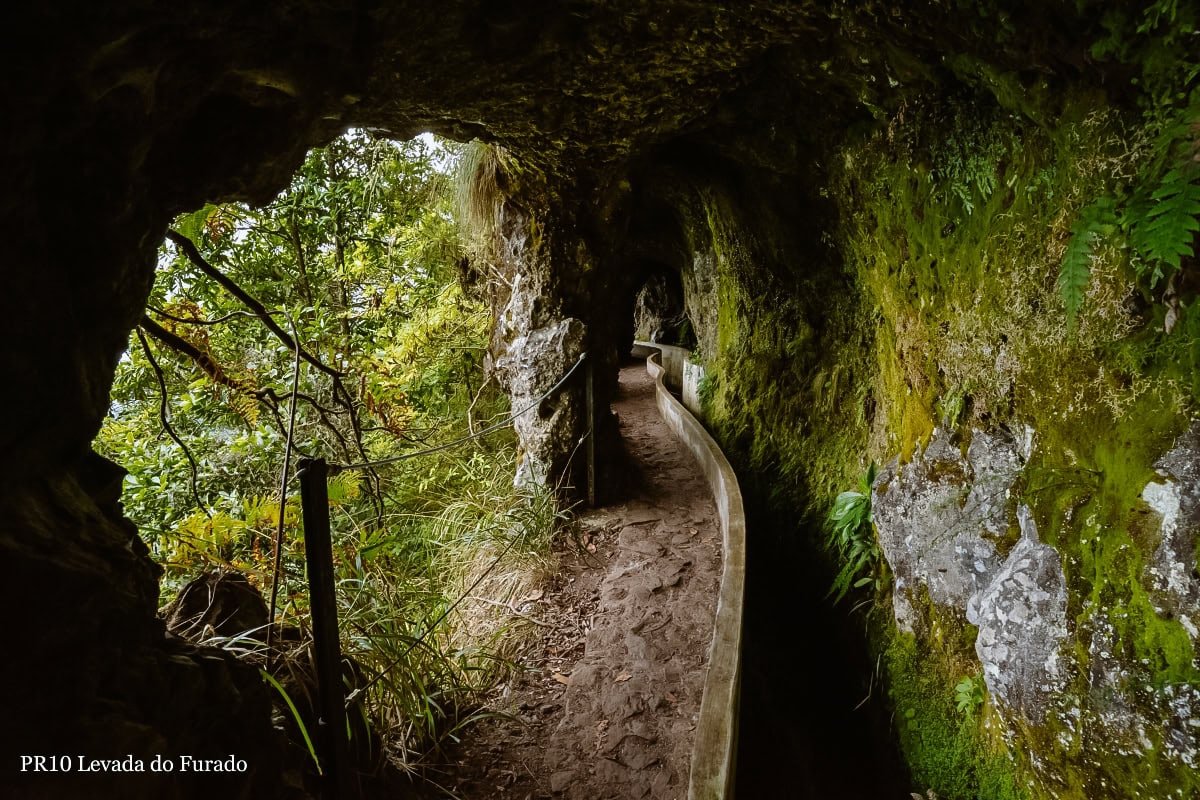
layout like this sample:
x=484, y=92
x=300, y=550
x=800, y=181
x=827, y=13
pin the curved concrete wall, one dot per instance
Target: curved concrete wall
x=681, y=374
x=672, y=359
x=715, y=749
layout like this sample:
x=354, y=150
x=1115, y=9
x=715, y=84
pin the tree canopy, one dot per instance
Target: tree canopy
x=340, y=302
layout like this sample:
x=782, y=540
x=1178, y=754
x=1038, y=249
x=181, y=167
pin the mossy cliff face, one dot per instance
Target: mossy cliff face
x=957, y=240
x=866, y=206
x=1033, y=509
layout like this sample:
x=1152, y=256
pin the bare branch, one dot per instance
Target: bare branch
x=188, y=248
x=166, y=423
x=216, y=321
x=213, y=370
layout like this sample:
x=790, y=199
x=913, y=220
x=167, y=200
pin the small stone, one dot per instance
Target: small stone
x=559, y=781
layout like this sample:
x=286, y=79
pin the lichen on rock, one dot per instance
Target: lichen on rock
x=942, y=521
x=1022, y=619
x=530, y=366
x=1171, y=574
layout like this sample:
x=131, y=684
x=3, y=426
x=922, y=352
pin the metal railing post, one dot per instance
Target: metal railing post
x=591, y=434
x=318, y=553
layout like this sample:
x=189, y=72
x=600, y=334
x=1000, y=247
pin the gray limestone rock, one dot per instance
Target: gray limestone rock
x=534, y=362
x=1129, y=714
x=1022, y=619
x=1170, y=575
x=939, y=517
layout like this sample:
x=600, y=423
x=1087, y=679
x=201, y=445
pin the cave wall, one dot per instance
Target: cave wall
x=115, y=122
x=866, y=206
x=890, y=295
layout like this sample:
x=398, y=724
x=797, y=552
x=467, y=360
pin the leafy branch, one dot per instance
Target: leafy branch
x=209, y=366
x=188, y=248
x=340, y=393
x=197, y=321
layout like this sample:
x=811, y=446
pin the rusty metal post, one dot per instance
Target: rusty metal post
x=318, y=552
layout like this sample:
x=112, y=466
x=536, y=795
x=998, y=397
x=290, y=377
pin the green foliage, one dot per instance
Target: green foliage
x=852, y=538
x=1159, y=217
x=969, y=163
x=1159, y=41
x=1164, y=232
x=428, y=656
x=195, y=224
x=359, y=258
x=1094, y=221
x=359, y=254
x=969, y=695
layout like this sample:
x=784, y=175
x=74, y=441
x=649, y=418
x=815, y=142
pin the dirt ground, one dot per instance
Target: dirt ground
x=607, y=705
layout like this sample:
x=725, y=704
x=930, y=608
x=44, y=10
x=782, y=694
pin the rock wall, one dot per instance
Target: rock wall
x=867, y=208
x=1074, y=683
x=890, y=294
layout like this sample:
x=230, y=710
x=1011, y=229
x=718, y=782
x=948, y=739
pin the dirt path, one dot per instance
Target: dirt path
x=609, y=702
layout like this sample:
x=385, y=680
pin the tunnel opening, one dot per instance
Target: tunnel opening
x=658, y=309
x=348, y=319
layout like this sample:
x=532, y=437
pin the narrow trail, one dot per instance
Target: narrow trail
x=607, y=707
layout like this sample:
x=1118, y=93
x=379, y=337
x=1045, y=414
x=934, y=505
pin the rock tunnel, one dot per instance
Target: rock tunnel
x=861, y=209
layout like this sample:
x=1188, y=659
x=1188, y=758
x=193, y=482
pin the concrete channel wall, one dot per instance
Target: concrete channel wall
x=714, y=752
x=682, y=375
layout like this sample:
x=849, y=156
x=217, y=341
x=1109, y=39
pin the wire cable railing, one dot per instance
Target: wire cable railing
x=313, y=476
x=336, y=468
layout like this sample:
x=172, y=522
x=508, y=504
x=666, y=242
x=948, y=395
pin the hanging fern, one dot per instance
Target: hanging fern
x=1094, y=221
x=1159, y=218
x=1162, y=230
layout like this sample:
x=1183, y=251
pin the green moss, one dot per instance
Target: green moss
x=1085, y=489
x=1086, y=493
x=937, y=303
x=948, y=751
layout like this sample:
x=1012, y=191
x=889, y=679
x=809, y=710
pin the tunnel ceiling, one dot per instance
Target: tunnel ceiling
x=121, y=115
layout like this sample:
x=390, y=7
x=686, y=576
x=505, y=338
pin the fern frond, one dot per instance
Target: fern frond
x=343, y=487
x=245, y=406
x=1076, y=271
x=1165, y=233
